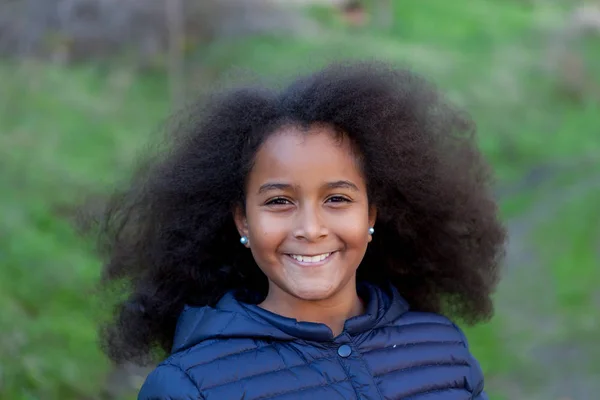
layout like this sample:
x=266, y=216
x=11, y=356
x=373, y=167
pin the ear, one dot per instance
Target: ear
x=372, y=218
x=239, y=217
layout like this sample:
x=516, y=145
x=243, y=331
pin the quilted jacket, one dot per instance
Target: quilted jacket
x=237, y=350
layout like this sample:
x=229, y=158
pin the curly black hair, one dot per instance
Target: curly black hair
x=170, y=236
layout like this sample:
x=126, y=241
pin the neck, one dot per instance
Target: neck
x=332, y=312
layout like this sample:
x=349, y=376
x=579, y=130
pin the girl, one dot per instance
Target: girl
x=306, y=243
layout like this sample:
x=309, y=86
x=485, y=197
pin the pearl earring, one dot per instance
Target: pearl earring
x=244, y=240
x=371, y=231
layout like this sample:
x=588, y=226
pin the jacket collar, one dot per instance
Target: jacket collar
x=234, y=318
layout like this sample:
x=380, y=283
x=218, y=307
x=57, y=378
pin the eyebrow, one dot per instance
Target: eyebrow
x=343, y=185
x=273, y=186
x=330, y=185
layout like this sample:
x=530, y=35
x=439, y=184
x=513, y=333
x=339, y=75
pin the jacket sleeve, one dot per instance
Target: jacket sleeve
x=169, y=382
x=475, y=382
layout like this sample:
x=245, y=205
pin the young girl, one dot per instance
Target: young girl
x=306, y=243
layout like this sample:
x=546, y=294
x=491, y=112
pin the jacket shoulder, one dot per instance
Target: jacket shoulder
x=169, y=381
x=438, y=328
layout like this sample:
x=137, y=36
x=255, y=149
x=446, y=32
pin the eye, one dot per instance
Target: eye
x=278, y=201
x=338, y=199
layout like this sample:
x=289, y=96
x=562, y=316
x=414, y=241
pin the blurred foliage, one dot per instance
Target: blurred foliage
x=71, y=31
x=67, y=134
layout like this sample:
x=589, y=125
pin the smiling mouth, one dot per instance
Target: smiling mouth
x=316, y=259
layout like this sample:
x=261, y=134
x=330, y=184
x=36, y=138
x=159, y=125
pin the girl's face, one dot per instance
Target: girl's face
x=307, y=215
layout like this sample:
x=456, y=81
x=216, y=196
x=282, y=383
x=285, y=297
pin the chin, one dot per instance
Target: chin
x=313, y=294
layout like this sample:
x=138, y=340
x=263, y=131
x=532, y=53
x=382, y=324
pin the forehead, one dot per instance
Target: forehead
x=317, y=154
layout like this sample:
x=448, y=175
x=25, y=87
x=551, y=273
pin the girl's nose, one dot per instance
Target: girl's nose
x=310, y=225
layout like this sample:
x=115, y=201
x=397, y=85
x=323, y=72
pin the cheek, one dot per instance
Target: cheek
x=352, y=227
x=267, y=232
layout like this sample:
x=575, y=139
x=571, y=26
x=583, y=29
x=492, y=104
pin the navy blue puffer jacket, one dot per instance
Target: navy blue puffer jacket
x=239, y=351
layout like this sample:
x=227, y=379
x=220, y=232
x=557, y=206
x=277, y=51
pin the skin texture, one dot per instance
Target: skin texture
x=306, y=195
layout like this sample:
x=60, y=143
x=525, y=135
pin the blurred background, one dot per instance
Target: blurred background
x=85, y=83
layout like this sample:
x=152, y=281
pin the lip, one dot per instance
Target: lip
x=311, y=264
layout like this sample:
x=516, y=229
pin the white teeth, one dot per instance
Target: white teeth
x=309, y=259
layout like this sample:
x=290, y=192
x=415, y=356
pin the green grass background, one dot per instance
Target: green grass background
x=67, y=133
